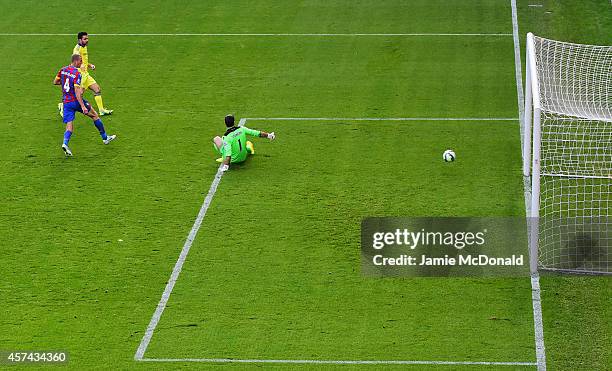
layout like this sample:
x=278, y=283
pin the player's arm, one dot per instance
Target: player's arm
x=226, y=152
x=257, y=133
x=78, y=91
x=57, y=80
x=226, y=163
x=263, y=134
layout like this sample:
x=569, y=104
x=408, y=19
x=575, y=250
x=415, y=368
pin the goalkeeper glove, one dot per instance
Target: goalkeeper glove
x=271, y=136
x=224, y=168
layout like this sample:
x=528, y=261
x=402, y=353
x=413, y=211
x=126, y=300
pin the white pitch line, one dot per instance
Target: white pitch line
x=337, y=362
x=146, y=339
x=262, y=34
x=536, y=300
x=383, y=119
x=538, y=323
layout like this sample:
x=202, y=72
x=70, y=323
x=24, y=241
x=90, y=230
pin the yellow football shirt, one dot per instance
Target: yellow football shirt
x=82, y=51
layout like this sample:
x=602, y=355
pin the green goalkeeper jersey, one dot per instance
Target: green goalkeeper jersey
x=234, y=142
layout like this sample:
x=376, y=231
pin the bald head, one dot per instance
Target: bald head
x=76, y=60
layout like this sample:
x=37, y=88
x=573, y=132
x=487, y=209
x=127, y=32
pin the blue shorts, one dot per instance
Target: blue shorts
x=71, y=108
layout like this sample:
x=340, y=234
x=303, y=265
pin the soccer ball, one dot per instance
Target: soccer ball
x=449, y=155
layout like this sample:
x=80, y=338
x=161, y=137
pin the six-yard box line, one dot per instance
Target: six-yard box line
x=139, y=356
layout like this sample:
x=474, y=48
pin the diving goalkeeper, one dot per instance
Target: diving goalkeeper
x=233, y=145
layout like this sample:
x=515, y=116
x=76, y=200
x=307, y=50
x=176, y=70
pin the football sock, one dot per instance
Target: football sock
x=67, y=135
x=98, y=99
x=100, y=128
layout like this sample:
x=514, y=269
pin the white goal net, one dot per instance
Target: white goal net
x=568, y=153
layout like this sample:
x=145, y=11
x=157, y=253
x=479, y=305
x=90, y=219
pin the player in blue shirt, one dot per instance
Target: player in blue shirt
x=69, y=78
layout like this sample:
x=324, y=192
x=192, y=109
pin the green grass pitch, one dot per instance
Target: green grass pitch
x=88, y=243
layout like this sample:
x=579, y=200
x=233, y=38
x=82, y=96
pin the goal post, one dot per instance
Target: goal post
x=567, y=152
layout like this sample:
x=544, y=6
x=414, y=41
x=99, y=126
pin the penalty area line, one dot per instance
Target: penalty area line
x=146, y=339
x=338, y=362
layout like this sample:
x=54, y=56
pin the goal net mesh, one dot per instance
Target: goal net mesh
x=575, y=92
